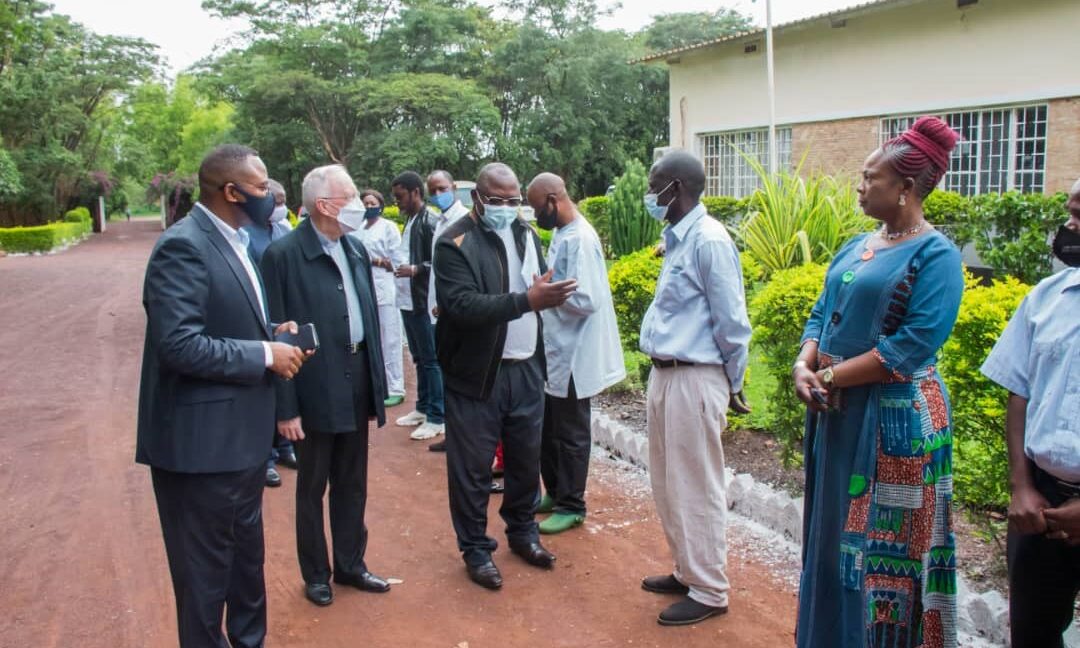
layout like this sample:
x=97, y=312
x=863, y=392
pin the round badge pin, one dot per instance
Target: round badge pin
x=869, y=254
x=848, y=277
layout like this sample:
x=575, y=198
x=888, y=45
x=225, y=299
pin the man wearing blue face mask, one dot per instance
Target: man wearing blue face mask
x=492, y=283
x=697, y=333
x=318, y=275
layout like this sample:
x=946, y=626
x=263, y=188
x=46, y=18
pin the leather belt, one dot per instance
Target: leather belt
x=668, y=364
x=353, y=349
x=1068, y=489
x=514, y=361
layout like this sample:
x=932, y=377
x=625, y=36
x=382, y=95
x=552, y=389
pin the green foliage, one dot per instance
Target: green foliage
x=391, y=212
x=792, y=220
x=637, y=365
x=726, y=209
x=778, y=313
x=11, y=183
x=1011, y=230
x=951, y=213
x=596, y=211
x=631, y=226
x=758, y=388
x=633, y=284
x=980, y=459
x=752, y=272
x=78, y=215
x=41, y=238
x=669, y=31
x=545, y=237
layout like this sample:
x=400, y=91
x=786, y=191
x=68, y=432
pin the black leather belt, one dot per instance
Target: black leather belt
x=1068, y=489
x=514, y=361
x=668, y=364
x=353, y=349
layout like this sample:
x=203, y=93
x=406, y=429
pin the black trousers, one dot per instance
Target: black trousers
x=513, y=415
x=1044, y=579
x=340, y=460
x=567, y=442
x=213, y=529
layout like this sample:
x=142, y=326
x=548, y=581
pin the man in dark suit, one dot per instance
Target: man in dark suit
x=206, y=402
x=318, y=275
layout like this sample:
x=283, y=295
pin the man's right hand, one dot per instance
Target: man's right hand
x=546, y=293
x=291, y=429
x=1026, y=510
x=287, y=359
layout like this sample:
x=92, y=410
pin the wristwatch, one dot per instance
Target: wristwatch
x=827, y=376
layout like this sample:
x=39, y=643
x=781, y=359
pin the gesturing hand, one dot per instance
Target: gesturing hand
x=546, y=293
x=291, y=429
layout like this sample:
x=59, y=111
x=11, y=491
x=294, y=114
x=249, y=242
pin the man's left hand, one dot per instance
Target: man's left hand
x=1063, y=522
x=738, y=403
x=405, y=270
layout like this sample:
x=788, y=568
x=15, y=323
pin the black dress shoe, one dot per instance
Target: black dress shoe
x=438, y=446
x=664, y=585
x=486, y=575
x=287, y=459
x=687, y=612
x=273, y=479
x=319, y=593
x=366, y=581
x=497, y=488
x=535, y=554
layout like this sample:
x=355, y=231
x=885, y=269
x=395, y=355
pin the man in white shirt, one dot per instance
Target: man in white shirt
x=584, y=357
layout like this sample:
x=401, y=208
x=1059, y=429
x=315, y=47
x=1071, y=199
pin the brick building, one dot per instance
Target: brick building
x=1004, y=73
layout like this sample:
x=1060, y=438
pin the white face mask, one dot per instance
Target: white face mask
x=351, y=216
x=280, y=213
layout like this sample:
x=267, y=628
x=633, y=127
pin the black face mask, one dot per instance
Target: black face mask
x=258, y=208
x=547, y=217
x=1067, y=247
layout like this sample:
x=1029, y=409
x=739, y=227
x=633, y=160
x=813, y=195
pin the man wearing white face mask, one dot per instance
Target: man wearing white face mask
x=320, y=276
x=259, y=237
x=697, y=333
x=491, y=283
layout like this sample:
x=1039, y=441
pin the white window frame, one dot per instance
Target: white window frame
x=970, y=156
x=726, y=172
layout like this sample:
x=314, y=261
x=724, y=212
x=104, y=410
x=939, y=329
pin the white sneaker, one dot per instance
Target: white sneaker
x=412, y=419
x=427, y=431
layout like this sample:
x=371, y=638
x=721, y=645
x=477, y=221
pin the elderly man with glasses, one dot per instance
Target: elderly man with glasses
x=491, y=283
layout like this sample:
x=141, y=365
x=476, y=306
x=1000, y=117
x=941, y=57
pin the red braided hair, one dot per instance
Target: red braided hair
x=922, y=152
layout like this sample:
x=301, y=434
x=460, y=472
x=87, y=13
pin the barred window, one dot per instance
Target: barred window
x=727, y=173
x=1000, y=149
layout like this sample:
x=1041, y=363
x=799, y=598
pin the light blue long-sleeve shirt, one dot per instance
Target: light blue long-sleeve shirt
x=581, y=337
x=699, y=312
x=352, y=300
x=1037, y=358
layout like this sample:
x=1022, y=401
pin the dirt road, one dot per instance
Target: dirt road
x=81, y=557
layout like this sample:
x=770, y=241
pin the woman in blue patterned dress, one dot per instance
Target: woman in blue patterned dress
x=879, y=564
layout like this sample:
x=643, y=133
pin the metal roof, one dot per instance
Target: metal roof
x=839, y=13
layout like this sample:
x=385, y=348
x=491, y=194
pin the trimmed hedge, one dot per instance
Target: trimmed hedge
x=633, y=283
x=41, y=238
x=726, y=209
x=78, y=215
x=595, y=210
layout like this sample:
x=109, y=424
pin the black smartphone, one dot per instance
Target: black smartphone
x=306, y=338
x=819, y=396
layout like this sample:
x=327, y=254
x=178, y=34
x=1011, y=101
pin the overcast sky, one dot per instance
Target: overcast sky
x=185, y=33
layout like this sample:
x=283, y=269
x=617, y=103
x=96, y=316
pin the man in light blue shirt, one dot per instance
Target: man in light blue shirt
x=697, y=333
x=1037, y=359
x=584, y=356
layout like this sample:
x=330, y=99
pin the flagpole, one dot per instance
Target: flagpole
x=774, y=161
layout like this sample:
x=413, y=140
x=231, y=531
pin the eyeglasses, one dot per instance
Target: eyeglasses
x=499, y=201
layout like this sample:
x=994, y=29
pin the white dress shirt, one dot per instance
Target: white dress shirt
x=442, y=221
x=520, y=333
x=404, y=284
x=238, y=240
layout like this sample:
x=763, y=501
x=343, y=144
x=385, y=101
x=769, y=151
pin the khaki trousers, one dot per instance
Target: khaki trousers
x=687, y=411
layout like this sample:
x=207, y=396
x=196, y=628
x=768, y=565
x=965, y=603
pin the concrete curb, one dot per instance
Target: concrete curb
x=982, y=619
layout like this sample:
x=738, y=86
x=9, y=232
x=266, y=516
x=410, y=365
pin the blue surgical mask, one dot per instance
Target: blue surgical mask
x=373, y=212
x=659, y=212
x=499, y=217
x=443, y=200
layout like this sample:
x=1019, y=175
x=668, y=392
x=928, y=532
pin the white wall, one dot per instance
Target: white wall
x=905, y=58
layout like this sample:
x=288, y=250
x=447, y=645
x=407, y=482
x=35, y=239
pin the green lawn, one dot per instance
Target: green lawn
x=758, y=388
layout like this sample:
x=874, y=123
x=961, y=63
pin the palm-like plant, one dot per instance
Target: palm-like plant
x=793, y=220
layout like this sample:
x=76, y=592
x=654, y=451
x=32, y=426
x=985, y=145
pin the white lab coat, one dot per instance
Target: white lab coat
x=382, y=240
x=442, y=221
x=581, y=337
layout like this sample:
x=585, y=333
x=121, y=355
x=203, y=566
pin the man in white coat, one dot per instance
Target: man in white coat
x=584, y=357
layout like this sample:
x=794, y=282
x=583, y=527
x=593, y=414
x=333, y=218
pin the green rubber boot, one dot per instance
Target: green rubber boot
x=560, y=522
x=547, y=504
x=393, y=401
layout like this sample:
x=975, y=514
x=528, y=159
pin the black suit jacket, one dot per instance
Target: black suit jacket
x=304, y=285
x=421, y=248
x=206, y=400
